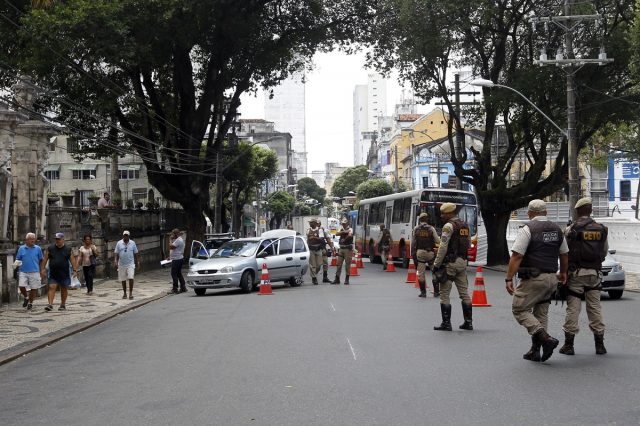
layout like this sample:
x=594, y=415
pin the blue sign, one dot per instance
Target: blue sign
x=630, y=170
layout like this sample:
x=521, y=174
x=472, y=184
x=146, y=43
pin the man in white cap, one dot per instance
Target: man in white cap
x=345, y=252
x=534, y=257
x=452, y=256
x=126, y=258
x=423, y=242
x=588, y=247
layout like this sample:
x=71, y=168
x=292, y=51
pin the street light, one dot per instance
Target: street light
x=482, y=82
x=572, y=154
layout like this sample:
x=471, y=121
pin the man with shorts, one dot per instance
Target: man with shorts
x=29, y=282
x=126, y=259
x=58, y=255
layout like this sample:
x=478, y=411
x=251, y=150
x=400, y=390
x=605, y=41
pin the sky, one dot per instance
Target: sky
x=329, y=107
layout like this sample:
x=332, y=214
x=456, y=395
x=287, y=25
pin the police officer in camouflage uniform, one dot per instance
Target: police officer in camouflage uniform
x=316, y=241
x=588, y=247
x=345, y=252
x=452, y=255
x=534, y=257
x=423, y=242
x=384, y=245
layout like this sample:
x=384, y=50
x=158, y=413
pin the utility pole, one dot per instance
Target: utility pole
x=218, y=211
x=395, y=182
x=568, y=62
x=459, y=147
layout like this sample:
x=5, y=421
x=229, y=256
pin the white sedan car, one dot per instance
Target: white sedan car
x=613, y=276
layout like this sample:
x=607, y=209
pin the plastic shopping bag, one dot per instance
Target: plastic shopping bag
x=75, y=283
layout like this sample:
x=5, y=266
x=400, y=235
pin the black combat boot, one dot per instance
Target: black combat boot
x=599, y=338
x=325, y=278
x=534, y=352
x=468, y=318
x=423, y=289
x=445, y=310
x=547, y=342
x=346, y=280
x=436, y=288
x=336, y=280
x=567, y=348
x=314, y=280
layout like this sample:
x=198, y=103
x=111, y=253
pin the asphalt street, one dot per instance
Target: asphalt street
x=365, y=354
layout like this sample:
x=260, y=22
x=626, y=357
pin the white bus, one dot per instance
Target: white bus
x=399, y=212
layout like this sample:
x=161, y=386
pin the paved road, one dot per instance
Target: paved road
x=324, y=355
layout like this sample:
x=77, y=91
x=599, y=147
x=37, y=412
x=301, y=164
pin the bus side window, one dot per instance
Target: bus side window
x=406, y=210
x=360, y=215
x=397, y=211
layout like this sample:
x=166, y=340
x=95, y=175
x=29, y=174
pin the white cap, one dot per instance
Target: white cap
x=126, y=233
x=586, y=201
x=537, y=206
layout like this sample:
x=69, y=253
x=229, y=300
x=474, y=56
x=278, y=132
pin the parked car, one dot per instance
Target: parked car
x=613, y=276
x=237, y=263
x=203, y=250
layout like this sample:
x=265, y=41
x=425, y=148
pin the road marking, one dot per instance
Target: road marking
x=352, y=351
x=333, y=307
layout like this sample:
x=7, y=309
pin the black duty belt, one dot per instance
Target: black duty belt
x=349, y=247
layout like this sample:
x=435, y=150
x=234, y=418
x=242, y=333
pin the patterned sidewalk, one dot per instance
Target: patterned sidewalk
x=22, y=331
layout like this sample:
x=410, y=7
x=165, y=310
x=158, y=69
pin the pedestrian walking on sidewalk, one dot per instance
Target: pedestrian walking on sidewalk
x=534, y=257
x=423, y=243
x=176, y=255
x=59, y=255
x=88, y=254
x=345, y=252
x=452, y=256
x=30, y=257
x=126, y=259
x=588, y=246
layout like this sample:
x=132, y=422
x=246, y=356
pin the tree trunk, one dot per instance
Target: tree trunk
x=115, y=178
x=195, y=226
x=496, y=224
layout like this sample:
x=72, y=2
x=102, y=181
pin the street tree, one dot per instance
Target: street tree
x=373, y=188
x=281, y=204
x=307, y=187
x=349, y=180
x=427, y=40
x=168, y=74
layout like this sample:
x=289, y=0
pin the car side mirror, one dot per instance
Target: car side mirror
x=261, y=255
x=612, y=251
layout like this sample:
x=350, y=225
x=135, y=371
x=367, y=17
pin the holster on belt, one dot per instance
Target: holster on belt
x=526, y=273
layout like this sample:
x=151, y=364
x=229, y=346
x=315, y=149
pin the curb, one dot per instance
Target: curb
x=56, y=336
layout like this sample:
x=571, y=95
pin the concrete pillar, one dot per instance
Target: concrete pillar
x=30, y=156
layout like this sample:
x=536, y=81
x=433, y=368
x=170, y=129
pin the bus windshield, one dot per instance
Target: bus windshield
x=466, y=213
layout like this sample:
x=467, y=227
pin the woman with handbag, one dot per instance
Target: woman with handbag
x=88, y=256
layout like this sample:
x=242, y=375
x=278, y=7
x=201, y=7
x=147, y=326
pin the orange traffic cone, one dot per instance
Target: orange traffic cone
x=265, y=282
x=479, y=298
x=416, y=282
x=411, y=273
x=334, y=260
x=390, y=266
x=354, y=268
x=359, y=262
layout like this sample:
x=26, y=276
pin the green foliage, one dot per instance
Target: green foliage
x=307, y=187
x=349, y=181
x=373, y=188
x=281, y=203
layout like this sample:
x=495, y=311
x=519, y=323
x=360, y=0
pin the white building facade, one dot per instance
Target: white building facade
x=369, y=104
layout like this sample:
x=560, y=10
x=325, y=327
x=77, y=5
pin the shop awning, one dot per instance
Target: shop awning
x=83, y=167
x=129, y=167
x=52, y=168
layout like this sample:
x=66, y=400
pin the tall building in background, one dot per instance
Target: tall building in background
x=369, y=104
x=287, y=110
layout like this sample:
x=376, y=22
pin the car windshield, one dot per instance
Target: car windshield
x=236, y=248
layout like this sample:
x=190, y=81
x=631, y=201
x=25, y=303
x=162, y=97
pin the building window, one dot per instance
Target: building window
x=84, y=174
x=139, y=194
x=625, y=190
x=129, y=174
x=73, y=146
x=52, y=174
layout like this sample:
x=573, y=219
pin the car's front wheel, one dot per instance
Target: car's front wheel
x=200, y=291
x=246, y=282
x=615, y=294
x=296, y=281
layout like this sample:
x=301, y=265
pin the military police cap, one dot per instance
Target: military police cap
x=313, y=220
x=423, y=216
x=344, y=220
x=537, y=206
x=447, y=208
x=586, y=201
